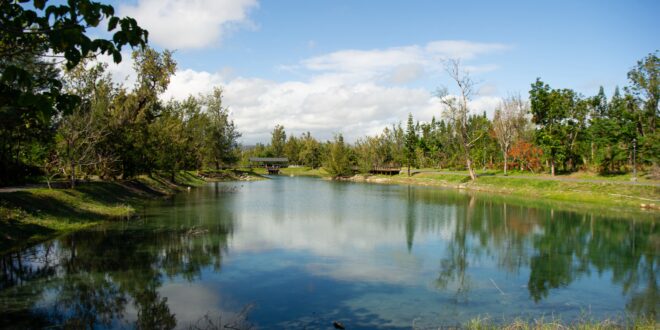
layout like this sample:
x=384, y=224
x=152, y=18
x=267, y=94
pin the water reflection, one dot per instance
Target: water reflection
x=99, y=278
x=306, y=250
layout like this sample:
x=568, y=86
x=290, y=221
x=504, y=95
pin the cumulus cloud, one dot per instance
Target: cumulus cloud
x=352, y=92
x=188, y=24
x=402, y=64
x=121, y=72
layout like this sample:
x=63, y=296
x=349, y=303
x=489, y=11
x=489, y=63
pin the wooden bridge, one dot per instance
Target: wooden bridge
x=271, y=164
x=386, y=170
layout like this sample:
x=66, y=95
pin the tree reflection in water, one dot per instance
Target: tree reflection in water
x=93, y=279
x=558, y=247
x=119, y=276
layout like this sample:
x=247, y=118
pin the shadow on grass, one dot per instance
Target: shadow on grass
x=117, y=192
x=14, y=233
x=39, y=205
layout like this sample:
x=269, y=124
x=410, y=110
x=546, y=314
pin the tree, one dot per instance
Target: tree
x=134, y=111
x=222, y=134
x=508, y=121
x=645, y=80
x=277, y=141
x=30, y=89
x=292, y=149
x=550, y=112
x=310, y=152
x=338, y=161
x=457, y=110
x=168, y=140
x=411, y=141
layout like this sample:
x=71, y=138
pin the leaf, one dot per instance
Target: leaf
x=39, y=4
x=116, y=56
x=112, y=24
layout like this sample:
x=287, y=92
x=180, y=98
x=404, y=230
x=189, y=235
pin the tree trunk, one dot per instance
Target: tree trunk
x=217, y=165
x=408, y=168
x=172, y=177
x=73, y=175
x=473, y=175
x=505, y=163
x=552, y=167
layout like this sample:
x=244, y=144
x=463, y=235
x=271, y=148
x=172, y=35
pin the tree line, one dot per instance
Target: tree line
x=61, y=115
x=555, y=130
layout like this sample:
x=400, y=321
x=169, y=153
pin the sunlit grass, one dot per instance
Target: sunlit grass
x=28, y=216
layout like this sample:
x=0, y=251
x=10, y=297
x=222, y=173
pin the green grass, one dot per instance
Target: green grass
x=610, y=194
x=32, y=215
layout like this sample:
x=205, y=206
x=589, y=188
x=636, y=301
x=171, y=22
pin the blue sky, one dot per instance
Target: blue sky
x=357, y=66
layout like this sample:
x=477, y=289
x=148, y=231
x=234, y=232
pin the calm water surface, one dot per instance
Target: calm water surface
x=302, y=252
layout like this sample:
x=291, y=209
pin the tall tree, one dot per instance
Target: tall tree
x=457, y=111
x=411, y=141
x=550, y=111
x=338, y=160
x=277, y=141
x=222, y=134
x=645, y=86
x=310, y=152
x=645, y=79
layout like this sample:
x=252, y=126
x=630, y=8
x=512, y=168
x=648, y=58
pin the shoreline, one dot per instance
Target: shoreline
x=35, y=214
x=576, y=194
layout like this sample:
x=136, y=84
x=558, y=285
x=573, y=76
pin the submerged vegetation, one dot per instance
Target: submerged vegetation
x=555, y=323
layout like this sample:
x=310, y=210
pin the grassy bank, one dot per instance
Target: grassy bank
x=577, y=188
x=35, y=214
x=610, y=193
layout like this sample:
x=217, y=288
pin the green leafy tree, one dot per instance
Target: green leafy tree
x=310, y=152
x=411, y=142
x=134, y=111
x=338, y=159
x=30, y=89
x=277, y=141
x=645, y=86
x=292, y=149
x=550, y=110
x=222, y=137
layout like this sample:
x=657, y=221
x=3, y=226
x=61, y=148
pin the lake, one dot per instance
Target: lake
x=295, y=252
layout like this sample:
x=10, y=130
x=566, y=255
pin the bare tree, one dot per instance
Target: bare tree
x=77, y=138
x=508, y=123
x=457, y=110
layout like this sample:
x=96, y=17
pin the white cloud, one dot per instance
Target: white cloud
x=323, y=106
x=403, y=64
x=352, y=92
x=188, y=24
x=462, y=49
x=121, y=72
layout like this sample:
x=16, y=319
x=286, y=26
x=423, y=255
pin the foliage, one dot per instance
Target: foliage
x=411, y=142
x=338, y=160
x=277, y=142
x=30, y=88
